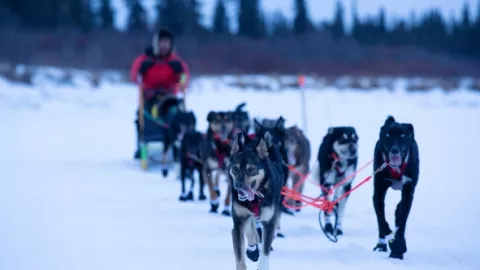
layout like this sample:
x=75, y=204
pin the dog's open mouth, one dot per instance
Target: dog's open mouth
x=247, y=193
x=395, y=160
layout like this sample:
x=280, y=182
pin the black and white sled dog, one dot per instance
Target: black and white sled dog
x=277, y=130
x=257, y=182
x=182, y=122
x=191, y=161
x=337, y=159
x=396, y=149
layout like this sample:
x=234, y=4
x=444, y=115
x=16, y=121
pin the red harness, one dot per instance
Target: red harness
x=340, y=169
x=220, y=155
x=395, y=172
x=254, y=206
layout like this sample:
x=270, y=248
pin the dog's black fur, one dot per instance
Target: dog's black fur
x=220, y=132
x=276, y=129
x=337, y=159
x=252, y=172
x=241, y=118
x=191, y=153
x=398, y=150
x=182, y=122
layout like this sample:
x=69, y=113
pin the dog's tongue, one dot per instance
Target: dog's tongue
x=395, y=160
x=250, y=194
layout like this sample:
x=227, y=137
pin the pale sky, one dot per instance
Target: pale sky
x=323, y=9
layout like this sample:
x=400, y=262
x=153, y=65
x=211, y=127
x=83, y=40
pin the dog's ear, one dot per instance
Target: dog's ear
x=410, y=129
x=240, y=106
x=280, y=124
x=238, y=143
x=262, y=148
x=211, y=116
x=331, y=130
x=389, y=120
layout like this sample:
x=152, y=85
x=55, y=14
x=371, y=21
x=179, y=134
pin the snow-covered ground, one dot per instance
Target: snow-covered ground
x=71, y=197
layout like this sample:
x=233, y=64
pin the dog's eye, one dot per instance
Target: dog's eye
x=251, y=170
x=388, y=134
x=235, y=170
x=402, y=135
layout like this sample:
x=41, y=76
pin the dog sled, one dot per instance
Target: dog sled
x=155, y=119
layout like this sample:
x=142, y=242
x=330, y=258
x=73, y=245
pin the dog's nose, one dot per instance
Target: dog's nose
x=238, y=185
x=395, y=151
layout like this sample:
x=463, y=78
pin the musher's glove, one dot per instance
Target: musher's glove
x=145, y=66
x=176, y=66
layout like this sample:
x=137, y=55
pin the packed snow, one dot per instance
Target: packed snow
x=72, y=197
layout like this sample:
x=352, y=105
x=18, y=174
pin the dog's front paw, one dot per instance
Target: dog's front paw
x=226, y=212
x=189, y=196
x=339, y=231
x=329, y=228
x=381, y=247
x=396, y=256
x=253, y=253
x=202, y=197
x=213, y=208
x=398, y=247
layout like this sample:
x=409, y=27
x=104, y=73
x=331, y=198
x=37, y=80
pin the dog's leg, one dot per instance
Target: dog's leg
x=192, y=183
x=207, y=174
x=341, y=207
x=228, y=197
x=201, y=179
x=238, y=242
x=330, y=177
x=384, y=231
x=295, y=179
x=399, y=246
x=253, y=239
x=183, y=175
x=216, y=183
x=269, y=228
x=279, y=232
x=286, y=174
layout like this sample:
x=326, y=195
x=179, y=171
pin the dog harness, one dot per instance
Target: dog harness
x=254, y=205
x=339, y=166
x=221, y=155
x=396, y=173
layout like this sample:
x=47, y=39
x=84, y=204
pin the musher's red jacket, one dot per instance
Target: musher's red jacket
x=160, y=76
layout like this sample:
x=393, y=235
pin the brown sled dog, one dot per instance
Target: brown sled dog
x=298, y=155
x=216, y=158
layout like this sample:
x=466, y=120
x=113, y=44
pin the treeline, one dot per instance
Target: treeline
x=82, y=33
x=429, y=30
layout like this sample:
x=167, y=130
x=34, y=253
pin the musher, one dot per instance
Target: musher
x=159, y=72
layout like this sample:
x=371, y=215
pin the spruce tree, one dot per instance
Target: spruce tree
x=338, y=28
x=250, y=19
x=137, y=17
x=220, y=24
x=106, y=15
x=301, y=23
